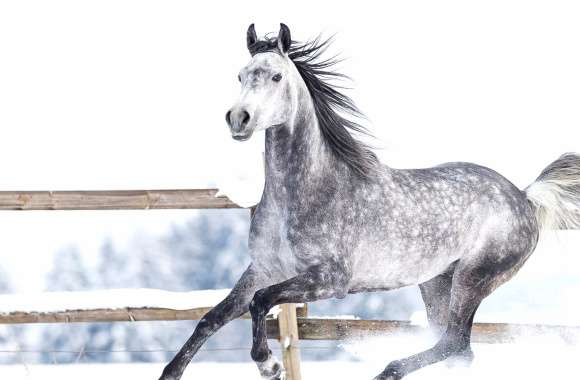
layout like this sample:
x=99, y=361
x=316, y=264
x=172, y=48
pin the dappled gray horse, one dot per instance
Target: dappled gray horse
x=333, y=220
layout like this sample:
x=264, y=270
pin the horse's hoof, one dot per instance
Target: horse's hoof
x=383, y=376
x=271, y=369
x=392, y=372
x=463, y=359
x=166, y=375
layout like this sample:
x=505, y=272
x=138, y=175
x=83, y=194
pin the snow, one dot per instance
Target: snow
x=419, y=318
x=110, y=299
x=243, y=180
x=506, y=361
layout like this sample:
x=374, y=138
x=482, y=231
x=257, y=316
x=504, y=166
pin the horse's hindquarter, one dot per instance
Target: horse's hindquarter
x=421, y=221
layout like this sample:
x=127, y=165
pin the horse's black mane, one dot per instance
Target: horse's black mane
x=329, y=102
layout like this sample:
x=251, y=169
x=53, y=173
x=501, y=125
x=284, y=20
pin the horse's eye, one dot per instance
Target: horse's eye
x=239, y=78
x=277, y=77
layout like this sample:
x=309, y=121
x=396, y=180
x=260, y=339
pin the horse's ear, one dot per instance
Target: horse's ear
x=284, y=39
x=251, y=37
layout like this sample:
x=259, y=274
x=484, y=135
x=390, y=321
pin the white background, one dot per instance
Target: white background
x=132, y=94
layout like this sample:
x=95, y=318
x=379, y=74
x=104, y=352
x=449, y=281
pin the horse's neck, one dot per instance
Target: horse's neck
x=296, y=156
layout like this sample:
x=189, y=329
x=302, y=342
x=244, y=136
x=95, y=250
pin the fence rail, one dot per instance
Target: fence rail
x=114, y=200
x=343, y=329
x=104, y=315
x=280, y=324
x=129, y=314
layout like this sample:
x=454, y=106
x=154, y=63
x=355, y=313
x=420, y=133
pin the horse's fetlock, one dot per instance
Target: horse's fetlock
x=260, y=354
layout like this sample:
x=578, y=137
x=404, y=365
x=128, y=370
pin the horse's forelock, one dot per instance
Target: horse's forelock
x=264, y=46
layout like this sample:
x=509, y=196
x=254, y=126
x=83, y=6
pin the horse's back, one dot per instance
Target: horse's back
x=475, y=195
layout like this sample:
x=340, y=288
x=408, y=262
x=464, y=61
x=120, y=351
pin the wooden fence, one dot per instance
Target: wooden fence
x=289, y=326
x=114, y=200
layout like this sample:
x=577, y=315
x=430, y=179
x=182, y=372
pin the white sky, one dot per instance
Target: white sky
x=132, y=94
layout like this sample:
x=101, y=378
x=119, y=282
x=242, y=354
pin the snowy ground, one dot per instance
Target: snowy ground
x=534, y=358
x=492, y=362
x=109, y=299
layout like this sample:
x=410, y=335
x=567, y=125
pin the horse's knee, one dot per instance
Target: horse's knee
x=258, y=304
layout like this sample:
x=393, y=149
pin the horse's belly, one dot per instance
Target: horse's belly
x=392, y=269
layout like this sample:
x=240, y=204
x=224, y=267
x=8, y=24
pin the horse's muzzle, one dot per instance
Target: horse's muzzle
x=238, y=119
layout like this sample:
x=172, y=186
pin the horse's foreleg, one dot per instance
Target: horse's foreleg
x=318, y=283
x=233, y=306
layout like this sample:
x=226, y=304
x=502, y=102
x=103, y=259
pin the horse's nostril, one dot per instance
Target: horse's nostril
x=246, y=118
x=228, y=120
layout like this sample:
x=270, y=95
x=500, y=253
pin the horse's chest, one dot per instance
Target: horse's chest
x=273, y=252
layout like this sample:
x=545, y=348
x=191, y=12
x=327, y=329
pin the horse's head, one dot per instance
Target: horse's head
x=269, y=93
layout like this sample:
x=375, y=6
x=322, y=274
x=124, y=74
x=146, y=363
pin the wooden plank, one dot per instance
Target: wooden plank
x=108, y=315
x=506, y=332
x=104, y=315
x=302, y=310
x=289, y=341
x=114, y=200
x=341, y=329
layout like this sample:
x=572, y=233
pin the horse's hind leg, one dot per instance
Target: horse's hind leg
x=473, y=280
x=436, y=295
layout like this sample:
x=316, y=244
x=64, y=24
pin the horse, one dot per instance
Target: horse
x=333, y=220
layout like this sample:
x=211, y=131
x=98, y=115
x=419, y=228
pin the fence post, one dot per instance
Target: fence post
x=289, y=340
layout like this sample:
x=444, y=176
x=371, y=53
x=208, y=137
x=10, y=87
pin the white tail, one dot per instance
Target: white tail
x=556, y=194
